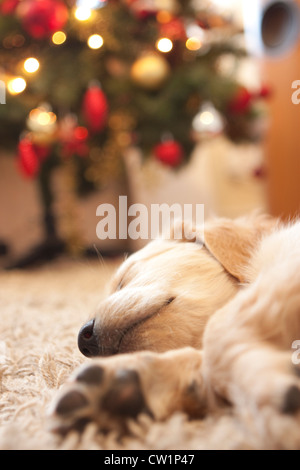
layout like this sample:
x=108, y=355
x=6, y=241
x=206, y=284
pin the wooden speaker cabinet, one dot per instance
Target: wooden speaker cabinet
x=273, y=35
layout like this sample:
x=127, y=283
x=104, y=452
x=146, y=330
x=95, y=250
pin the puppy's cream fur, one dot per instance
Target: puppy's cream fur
x=256, y=329
x=235, y=300
x=162, y=296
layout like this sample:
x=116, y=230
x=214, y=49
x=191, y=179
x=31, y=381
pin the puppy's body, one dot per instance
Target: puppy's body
x=263, y=320
x=235, y=301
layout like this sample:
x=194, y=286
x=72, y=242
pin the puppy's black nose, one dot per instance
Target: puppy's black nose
x=87, y=341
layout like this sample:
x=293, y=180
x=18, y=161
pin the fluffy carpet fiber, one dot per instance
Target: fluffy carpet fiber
x=41, y=313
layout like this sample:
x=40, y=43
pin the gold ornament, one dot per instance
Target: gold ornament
x=150, y=71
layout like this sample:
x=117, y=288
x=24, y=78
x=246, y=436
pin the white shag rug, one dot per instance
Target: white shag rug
x=41, y=312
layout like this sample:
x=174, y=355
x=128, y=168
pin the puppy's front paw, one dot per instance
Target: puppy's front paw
x=290, y=403
x=100, y=395
x=110, y=391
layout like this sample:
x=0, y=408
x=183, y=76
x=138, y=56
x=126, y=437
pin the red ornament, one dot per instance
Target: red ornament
x=41, y=18
x=28, y=160
x=265, y=92
x=260, y=172
x=145, y=14
x=203, y=23
x=76, y=143
x=8, y=7
x=241, y=101
x=30, y=157
x=169, y=152
x=173, y=29
x=95, y=108
x=141, y=9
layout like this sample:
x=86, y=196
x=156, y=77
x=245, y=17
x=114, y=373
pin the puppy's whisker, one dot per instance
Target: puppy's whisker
x=100, y=257
x=102, y=261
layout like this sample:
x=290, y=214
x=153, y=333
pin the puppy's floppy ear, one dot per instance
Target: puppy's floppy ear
x=232, y=242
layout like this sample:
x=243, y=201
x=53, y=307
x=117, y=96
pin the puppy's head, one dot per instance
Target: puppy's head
x=162, y=296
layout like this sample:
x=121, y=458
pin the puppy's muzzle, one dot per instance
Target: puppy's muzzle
x=87, y=340
x=103, y=341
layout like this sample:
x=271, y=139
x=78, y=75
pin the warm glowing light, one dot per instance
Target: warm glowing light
x=193, y=44
x=83, y=13
x=59, y=38
x=16, y=85
x=207, y=118
x=95, y=41
x=164, y=45
x=31, y=65
x=42, y=117
x=163, y=16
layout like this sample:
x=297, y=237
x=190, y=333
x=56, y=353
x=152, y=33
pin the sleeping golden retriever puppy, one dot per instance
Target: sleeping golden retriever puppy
x=163, y=295
x=202, y=326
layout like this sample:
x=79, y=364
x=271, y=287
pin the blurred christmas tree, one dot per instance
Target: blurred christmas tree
x=87, y=80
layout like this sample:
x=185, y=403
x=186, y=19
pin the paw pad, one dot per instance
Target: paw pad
x=124, y=395
x=291, y=402
x=92, y=375
x=71, y=402
x=98, y=395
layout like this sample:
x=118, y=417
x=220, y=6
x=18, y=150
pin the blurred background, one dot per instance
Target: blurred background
x=159, y=100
